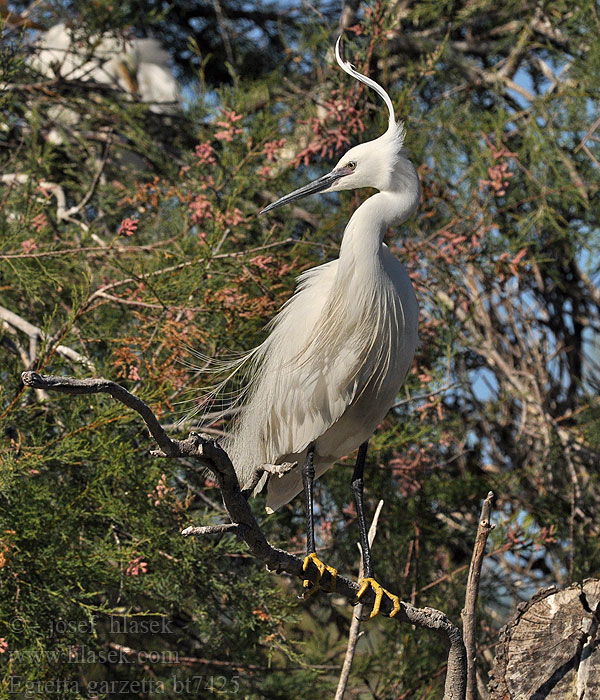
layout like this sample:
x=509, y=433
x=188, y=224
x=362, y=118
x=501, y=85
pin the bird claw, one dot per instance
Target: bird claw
x=379, y=590
x=310, y=587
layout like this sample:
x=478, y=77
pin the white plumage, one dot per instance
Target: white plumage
x=135, y=66
x=340, y=348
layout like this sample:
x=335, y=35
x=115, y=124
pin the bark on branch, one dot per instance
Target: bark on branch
x=469, y=613
x=209, y=454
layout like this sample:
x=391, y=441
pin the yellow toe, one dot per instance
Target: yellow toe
x=321, y=568
x=379, y=591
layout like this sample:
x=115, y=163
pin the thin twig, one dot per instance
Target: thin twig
x=469, y=612
x=36, y=333
x=224, y=32
x=274, y=469
x=589, y=132
x=209, y=454
x=421, y=397
x=210, y=529
x=199, y=494
x=354, y=633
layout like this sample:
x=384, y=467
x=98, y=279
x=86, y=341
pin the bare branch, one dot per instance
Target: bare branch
x=36, y=333
x=275, y=469
x=588, y=134
x=354, y=632
x=469, y=612
x=209, y=454
x=69, y=385
x=210, y=529
x=347, y=19
x=62, y=213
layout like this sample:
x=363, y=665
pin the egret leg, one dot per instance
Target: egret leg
x=358, y=483
x=308, y=477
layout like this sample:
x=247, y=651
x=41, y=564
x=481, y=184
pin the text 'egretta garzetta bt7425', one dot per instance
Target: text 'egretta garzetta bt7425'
x=340, y=349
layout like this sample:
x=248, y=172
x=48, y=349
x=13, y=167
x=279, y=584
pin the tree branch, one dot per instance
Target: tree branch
x=469, y=612
x=209, y=454
x=36, y=333
x=211, y=529
x=354, y=633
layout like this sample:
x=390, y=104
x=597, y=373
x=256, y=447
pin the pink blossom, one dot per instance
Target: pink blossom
x=136, y=567
x=229, y=130
x=205, y=153
x=271, y=147
x=498, y=172
x=516, y=261
x=231, y=116
x=39, y=222
x=29, y=245
x=265, y=171
x=227, y=135
x=200, y=208
x=233, y=218
x=161, y=490
x=261, y=261
x=3, y=645
x=128, y=227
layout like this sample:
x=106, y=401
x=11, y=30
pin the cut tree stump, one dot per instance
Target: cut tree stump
x=550, y=651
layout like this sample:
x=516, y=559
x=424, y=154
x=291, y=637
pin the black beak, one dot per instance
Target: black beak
x=312, y=188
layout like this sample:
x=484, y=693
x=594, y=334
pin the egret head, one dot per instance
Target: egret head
x=372, y=164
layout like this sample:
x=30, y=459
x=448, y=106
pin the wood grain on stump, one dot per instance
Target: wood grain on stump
x=550, y=651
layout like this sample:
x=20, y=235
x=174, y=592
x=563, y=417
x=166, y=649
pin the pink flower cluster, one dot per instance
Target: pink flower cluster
x=161, y=490
x=128, y=227
x=200, y=208
x=329, y=140
x=228, y=126
x=271, y=147
x=205, y=153
x=499, y=173
x=136, y=567
x=514, y=262
x=498, y=181
x=29, y=245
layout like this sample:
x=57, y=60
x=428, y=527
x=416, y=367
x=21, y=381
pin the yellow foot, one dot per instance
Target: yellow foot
x=379, y=590
x=309, y=586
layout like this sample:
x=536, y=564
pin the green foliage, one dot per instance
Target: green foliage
x=130, y=241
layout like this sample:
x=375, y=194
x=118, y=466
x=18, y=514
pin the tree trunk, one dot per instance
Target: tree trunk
x=550, y=650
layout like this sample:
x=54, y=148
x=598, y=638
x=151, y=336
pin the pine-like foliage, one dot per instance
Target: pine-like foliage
x=129, y=241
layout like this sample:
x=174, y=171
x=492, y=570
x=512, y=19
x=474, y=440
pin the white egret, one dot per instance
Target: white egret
x=339, y=350
x=138, y=67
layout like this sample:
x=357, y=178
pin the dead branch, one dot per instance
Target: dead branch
x=211, y=529
x=209, y=454
x=469, y=612
x=35, y=334
x=354, y=633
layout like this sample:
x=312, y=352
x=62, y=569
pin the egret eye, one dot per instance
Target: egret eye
x=351, y=164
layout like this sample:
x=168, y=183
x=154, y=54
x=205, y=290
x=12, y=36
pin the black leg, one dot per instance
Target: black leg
x=367, y=580
x=357, y=489
x=308, y=477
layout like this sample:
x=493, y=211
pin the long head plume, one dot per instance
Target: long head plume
x=394, y=129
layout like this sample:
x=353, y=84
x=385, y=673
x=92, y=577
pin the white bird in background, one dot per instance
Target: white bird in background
x=135, y=66
x=339, y=350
